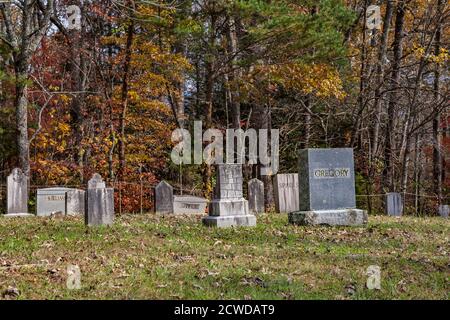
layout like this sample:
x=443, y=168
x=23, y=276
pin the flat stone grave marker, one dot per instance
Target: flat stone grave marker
x=163, y=198
x=51, y=200
x=17, y=194
x=394, y=204
x=327, y=189
x=189, y=205
x=229, y=208
x=286, y=191
x=256, y=196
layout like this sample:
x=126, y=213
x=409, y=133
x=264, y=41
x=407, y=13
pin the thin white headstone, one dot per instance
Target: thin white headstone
x=17, y=194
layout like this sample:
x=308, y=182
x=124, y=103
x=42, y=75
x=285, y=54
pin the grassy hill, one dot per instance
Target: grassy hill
x=149, y=257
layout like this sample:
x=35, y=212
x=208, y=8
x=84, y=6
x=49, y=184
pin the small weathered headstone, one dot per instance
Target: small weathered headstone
x=50, y=201
x=189, y=205
x=17, y=194
x=373, y=277
x=73, y=281
x=75, y=202
x=163, y=198
x=96, y=182
x=444, y=210
x=286, y=192
x=229, y=208
x=394, y=204
x=256, y=196
x=327, y=189
x=99, y=203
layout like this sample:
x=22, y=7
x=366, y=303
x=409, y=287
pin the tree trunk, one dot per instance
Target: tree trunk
x=263, y=120
x=388, y=172
x=307, y=122
x=233, y=75
x=209, y=95
x=362, y=83
x=21, y=106
x=24, y=39
x=124, y=98
x=379, y=77
x=437, y=138
x=79, y=74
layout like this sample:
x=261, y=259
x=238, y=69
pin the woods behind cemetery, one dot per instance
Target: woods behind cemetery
x=104, y=95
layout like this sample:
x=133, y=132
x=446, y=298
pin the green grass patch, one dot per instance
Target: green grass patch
x=150, y=257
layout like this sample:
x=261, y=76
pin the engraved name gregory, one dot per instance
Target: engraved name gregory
x=329, y=173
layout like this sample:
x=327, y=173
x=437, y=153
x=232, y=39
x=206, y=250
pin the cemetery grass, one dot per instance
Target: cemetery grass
x=150, y=257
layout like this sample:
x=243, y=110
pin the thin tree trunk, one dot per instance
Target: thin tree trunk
x=307, y=122
x=233, y=76
x=362, y=83
x=388, y=172
x=380, y=75
x=21, y=106
x=209, y=89
x=437, y=136
x=124, y=98
x=79, y=74
x=263, y=118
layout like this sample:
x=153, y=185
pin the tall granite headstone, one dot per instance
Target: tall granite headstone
x=286, y=193
x=394, y=204
x=327, y=189
x=17, y=194
x=99, y=203
x=163, y=198
x=229, y=208
x=444, y=210
x=256, y=196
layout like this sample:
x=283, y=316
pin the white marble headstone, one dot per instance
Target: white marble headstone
x=17, y=192
x=286, y=191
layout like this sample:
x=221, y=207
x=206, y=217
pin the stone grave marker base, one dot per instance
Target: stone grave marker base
x=18, y=215
x=228, y=207
x=230, y=221
x=345, y=217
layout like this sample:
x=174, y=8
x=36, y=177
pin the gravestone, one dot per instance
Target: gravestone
x=229, y=208
x=286, y=193
x=17, y=194
x=50, y=201
x=394, y=204
x=96, y=182
x=327, y=189
x=75, y=202
x=256, y=196
x=189, y=205
x=444, y=210
x=163, y=198
x=99, y=203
